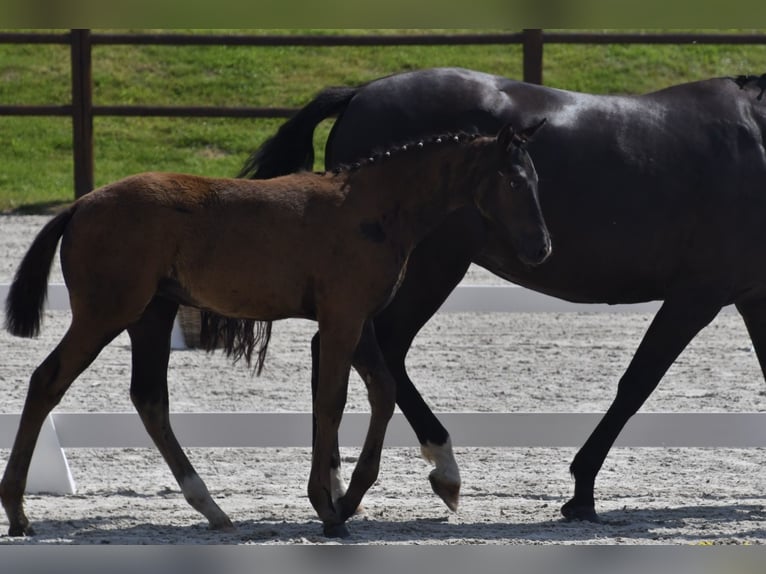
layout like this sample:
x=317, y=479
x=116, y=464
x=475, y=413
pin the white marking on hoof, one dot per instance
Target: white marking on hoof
x=337, y=484
x=445, y=478
x=196, y=493
x=442, y=457
x=338, y=489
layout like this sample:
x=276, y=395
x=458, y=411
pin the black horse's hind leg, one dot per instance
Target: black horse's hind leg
x=754, y=314
x=150, y=339
x=676, y=323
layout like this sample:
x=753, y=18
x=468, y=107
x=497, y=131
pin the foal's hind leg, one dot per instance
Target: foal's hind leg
x=76, y=350
x=150, y=339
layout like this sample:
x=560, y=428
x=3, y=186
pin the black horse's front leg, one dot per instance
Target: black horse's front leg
x=676, y=323
x=435, y=268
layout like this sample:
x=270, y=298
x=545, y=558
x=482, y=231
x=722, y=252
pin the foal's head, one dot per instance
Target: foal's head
x=510, y=201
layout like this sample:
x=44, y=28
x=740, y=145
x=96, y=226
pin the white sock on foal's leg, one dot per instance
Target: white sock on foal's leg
x=196, y=493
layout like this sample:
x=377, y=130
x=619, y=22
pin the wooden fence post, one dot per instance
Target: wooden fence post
x=82, y=111
x=533, y=55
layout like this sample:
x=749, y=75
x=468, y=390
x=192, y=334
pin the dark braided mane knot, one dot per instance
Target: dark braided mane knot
x=381, y=155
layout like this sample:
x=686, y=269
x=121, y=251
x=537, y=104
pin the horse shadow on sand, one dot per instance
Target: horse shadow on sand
x=701, y=525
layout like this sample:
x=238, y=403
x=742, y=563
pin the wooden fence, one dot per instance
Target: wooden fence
x=81, y=42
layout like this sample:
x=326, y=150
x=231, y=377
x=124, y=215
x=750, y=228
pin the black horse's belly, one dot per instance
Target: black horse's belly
x=581, y=274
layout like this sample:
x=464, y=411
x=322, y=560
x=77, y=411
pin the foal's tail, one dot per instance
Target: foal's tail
x=26, y=297
x=291, y=149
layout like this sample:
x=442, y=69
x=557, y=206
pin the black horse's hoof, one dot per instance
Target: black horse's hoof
x=573, y=511
x=447, y=490
x=336, y=531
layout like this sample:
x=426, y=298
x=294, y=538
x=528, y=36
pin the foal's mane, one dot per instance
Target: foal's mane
x=455, y=138
x=380, y=155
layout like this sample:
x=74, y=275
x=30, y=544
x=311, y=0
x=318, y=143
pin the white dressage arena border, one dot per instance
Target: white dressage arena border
x=465, y=298
x=50, y=470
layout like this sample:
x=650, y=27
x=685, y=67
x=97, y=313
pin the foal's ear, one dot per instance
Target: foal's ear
x=507, y=137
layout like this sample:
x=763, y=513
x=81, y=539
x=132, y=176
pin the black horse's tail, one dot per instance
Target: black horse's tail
x=291, y=149
x=26, y=297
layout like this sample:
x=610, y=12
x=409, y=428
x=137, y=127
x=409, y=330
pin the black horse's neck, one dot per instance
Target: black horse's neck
x=405, y=191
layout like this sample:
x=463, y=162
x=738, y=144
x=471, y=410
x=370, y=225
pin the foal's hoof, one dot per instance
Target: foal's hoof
x=574, y=511
x=20, y=530
x=223, y=525
x=336, y=531
x=447, y=490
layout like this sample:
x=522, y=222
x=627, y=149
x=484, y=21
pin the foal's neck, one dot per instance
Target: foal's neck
x=421, y=183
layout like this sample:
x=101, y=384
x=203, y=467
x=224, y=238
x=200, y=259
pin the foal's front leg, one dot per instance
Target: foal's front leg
x=381, y=389
x=337, y=343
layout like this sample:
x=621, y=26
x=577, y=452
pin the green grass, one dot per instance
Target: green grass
x=36, y=155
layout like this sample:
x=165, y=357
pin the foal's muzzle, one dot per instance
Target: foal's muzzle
x=536, y=252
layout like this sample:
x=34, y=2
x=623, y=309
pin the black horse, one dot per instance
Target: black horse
x=654, y=197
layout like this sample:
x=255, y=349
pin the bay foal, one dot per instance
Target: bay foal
x=331, y=247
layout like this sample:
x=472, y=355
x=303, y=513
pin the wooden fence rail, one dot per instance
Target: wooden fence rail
x=81, y=41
